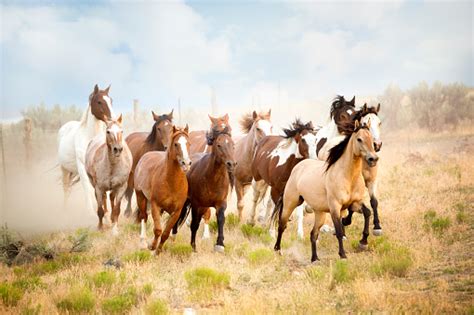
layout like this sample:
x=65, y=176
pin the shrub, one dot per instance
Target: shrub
x=103, y=279
x=139, y=256
x=78, y=300
x=10, y=294
x=260, y=256
x=440, y=224
x=29, y=283
x=121, y=304
x=81, y=241
x=181, y=250
x=204, y=282
x=46, y=267
x=157, y=307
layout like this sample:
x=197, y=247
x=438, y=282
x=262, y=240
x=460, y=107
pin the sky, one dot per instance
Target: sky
x=249, y=53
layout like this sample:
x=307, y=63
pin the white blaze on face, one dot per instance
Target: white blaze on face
x=108, y=101
x=182, y=142
x=265, y=126
x=349, y=111
x=374, y=125
x=114, y=131
x=284, y=150
x=311, y=142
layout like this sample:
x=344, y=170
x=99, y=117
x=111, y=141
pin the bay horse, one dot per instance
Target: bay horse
x=200, y=142
x=198, y=139
x=255, y=127
x=275, y=157
x=142, y=142
x=108, y=163
x=160, y=179
x=209, y=179
x=73, y=139
x=330, y=187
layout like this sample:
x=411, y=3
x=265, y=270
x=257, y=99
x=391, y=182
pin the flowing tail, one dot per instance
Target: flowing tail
x=275, y=218
x=184, y=214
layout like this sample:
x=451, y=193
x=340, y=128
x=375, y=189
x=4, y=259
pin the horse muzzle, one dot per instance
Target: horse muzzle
x=230, y=166
x=372, y=160
x=377, y=146
x=117, y=151
x=185, y=165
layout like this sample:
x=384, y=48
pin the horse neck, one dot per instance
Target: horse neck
x=91, y=124
x=349, y=164
x=250, y=145
x=333, y=131
x=172, y=167
x=214, y=167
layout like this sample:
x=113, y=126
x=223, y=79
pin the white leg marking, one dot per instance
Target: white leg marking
x=299, y=218
x=143, y=243
x=115, y=231
x=206, y=235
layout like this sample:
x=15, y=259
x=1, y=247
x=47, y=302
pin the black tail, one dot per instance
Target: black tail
x=184, y=214
x=276, y=215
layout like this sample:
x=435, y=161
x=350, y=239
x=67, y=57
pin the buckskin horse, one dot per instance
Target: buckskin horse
x=108, y=163
x=160, y=179
x=331, y=186
x=142, y=142
x=73, y=139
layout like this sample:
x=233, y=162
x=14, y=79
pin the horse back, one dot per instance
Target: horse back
x=261, y=160
x=146, y=167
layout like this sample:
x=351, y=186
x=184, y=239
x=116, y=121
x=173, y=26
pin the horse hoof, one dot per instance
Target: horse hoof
x=377, y=232
x=363, y=246
x=219, y=248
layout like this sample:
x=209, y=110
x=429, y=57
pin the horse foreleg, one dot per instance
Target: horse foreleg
x=319, y=218
x=195, y=220
x=169, y=225
x=363, y=244
x=259, y=189
x=115, y=201
x=156, y=214
x=239, y=191
x=86, y=185
x=66, y=179
x=335, y=210
x=142, y=216
x=207, y=216
x=128, y=196
x=220, y=213
x=372, y=187
x=100, y=211
x=299, y=220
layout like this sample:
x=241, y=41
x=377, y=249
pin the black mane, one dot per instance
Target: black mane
x=365, y=111
x=152, y=135
x=297, y=127
x=338, y=103
x=214, y=133
x=336, y=152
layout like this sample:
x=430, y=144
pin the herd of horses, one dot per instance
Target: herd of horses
x=171, y=169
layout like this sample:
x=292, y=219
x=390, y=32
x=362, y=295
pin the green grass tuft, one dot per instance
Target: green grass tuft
x=231, y=221
x=396, y=262
x=315, y=274
x=31, y=310
x=461, y=217
x=260, y=256
x=147, y=289
x=181, y=250
x=341, y=272
x=103, y=279
x=121, y=304
x=204, y=282
x=139, y=256
x=81, y=240
x=79, y=300
x=440, y=224
x=256, y=232
x=28, y=283
x=10, y=294
x=213, y=226
x=157, y=307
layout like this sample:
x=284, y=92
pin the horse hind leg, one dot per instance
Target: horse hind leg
x=67, y=183
x=128, y=197
x=335, y=210
x=239, y=191
x=142, y=217
x=319, y=218
x=259, y=190
x=288, y=204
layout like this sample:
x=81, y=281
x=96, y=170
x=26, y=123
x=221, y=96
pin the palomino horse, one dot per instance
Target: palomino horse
x=255, y=126
x=275, y=157
x=198, y=138
x=330, y=187
x=209, y=179
x=108, y=163
x=160, y=178
x=200, y=142
x=142, y=142
x=74, y=137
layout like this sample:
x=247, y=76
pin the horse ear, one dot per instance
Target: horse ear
x=226, y=118
x=174, y=129
x=186, y=129
x=254, y=115
x=96, y=89
x=170, y=115
x=213, y=120
x=119, y=119
x=378, y=108
x=107, y=90
x=352, y=102
x=368, y=123
x=364, y=108
x=269, y=113
x=155, y=116
x=356, y=124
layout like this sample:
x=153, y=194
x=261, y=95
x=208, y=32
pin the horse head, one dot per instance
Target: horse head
x=343, y=113
x=162, y=129
x=101, y=104
x=114, y=136
x=223, y=148
x=262, y=124
x=364, y=144
x=369, y=116
x=304, y=135
x=179, y=146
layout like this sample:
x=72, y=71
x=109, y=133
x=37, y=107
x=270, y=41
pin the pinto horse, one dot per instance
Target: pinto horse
x=255, y=127
x=330, y=187
x=142, y=142
x=275, y=157
x=198, y=138
x=73, y=139
x=160, y=178
x=209, y=179
x=108, y=163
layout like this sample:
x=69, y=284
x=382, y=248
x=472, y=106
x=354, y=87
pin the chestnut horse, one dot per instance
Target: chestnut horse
x=275, y=157
x=108, y=163
x=330, y=187
x=209, y=179
x=199, y=141
x=142, y=142
x=255, y=127
x=74, y=137
x=160, y=178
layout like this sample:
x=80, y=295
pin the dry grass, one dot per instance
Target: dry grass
x=422, y=264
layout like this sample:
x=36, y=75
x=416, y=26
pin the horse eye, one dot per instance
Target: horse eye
x=99, y=102
x=258, y=129
x=219, y=146
x=359, y=139
x=108, y=132
x=176, y=145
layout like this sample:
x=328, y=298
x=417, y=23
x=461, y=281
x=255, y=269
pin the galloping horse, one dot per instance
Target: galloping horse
x=199, y=141
x=160, y=178
x=209, y=179
x=142, y=142
x=330, y=187
x=108, y=163
x=255, y=126
x=74, y=137
x=275, y=157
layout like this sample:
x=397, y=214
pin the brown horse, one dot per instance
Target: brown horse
x=199, y=141
x=331, y=186
x=142, y=142
x=108, y=163
x=275, y=157
x=209, y=179
x=160, y=178
x=255, y=126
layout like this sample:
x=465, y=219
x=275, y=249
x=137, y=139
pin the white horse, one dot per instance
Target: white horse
x=73, y=138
